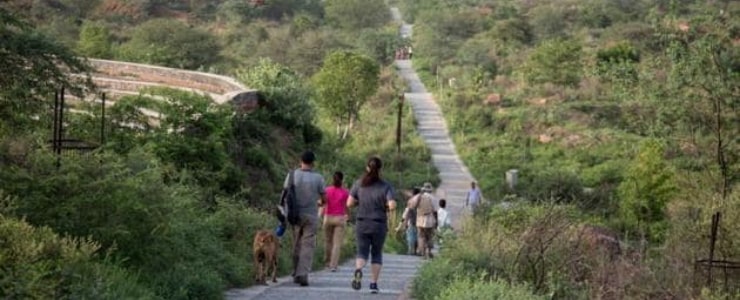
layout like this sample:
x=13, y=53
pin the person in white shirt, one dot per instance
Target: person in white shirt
x=443, y=217
x=444, y=221
x=472, y=199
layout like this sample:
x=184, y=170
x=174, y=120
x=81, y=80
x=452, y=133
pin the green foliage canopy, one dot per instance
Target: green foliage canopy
x=345, y=82
x=556, y=61
x=170, y=43
x=33, y=67
x=647, y=188
x=95, y=41
x=286, y=98
x=357, y=14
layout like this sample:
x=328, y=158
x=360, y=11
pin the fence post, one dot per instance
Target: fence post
x=512, y=176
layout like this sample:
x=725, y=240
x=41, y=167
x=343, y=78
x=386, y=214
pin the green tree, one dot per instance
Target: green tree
x=555, y=61
x=170, y=43
x=94, y=41
x=617, y=65
x=441, y=32
x=307, y=51
x=279, y=9
x=549, y=21
x=192, y=133
x=380, y=44
x=343, y=85
x=285, y=94
x=357, y=14
x=647, y=188
x=706, y=68
x=33, y=67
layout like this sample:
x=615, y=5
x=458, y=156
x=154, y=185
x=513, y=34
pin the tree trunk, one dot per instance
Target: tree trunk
x=348, y=126
x=724, y=169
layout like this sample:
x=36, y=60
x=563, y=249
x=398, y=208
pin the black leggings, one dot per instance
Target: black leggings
x=371, y=244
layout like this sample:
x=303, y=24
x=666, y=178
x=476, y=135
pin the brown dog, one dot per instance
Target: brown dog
x=266, y=247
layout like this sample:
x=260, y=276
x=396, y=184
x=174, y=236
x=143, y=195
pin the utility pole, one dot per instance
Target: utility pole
x=398, y=138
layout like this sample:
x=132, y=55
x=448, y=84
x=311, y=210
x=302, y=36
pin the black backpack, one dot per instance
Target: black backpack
x=288, y=203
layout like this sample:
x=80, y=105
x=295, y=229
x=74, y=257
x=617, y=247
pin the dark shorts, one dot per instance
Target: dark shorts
x=370, y=244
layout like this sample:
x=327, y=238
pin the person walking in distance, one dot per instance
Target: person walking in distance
x=373, y=197
x=426, y=219
x=335, y=218
x=411, y=52
x=443, y=216
x=310, y=194
x=444, y=222
x=472, y=199
x=409, y=220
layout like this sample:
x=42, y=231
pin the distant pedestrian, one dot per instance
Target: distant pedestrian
x=426, y=219
x=310, y=194
x=444, y=220
x=473, y=198
x=335, y=219
x=411, y=52
x=373, y=197
x=409, y=220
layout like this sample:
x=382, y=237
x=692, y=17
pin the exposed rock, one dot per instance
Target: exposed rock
x=244, y=102
x=545, y=138
x=493, y=99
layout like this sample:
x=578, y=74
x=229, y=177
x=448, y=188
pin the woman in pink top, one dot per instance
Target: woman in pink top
x=335, y=218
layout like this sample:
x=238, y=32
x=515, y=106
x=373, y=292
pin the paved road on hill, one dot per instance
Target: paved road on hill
x=398, y=270
x=432, y=127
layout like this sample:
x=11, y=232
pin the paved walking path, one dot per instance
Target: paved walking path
x=433, y=129
x=398, y=270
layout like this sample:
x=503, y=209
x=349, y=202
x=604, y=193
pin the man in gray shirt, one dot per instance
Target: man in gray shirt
x=472, y=199
x=310, y=194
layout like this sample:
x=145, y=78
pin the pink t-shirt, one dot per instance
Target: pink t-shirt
x=336, y=199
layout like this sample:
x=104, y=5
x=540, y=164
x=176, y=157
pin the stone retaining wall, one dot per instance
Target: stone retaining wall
x=125, y=76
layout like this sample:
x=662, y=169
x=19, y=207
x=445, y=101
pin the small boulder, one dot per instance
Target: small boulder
x=493, y=99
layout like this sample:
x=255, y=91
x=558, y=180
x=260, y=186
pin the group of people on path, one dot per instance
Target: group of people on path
x=373, y=199
x=371, y=196
x=422, y=221
x=405, y=52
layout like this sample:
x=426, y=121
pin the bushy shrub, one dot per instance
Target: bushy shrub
x=286, y=95
x=644, y=194
x=171, y=43
x=555, y=185
x=433, y=277
x=158, y=230
x=472, y=289
x=556, y=61
x=39, y=264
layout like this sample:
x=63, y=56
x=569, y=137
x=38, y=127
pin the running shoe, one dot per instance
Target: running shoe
x=357, y=280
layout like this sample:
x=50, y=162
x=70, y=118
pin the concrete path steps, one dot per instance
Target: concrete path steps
x=432, y=127
x=398, y=270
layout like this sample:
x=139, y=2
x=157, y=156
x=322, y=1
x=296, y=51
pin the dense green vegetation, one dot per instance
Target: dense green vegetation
x=168, y=209
x=618, y=114
x=621, y=116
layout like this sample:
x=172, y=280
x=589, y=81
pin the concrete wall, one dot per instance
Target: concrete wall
x=124, y=76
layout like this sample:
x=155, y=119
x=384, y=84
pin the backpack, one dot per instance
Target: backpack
x=288, y=203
